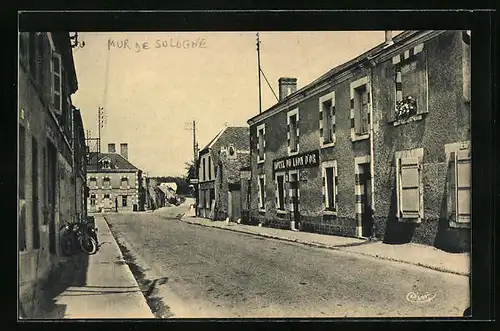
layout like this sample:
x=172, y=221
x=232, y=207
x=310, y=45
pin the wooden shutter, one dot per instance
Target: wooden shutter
x=56, y=83
x=421, y=81
x=452, y=191
x=357, y=110
x=410, y=188
x=463, y=186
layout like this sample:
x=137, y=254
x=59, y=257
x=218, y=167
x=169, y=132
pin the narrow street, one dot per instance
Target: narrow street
x=209, y=272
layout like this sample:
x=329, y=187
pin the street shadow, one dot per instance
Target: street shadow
x=452, y=240
x=396, y=232
x=68, y=273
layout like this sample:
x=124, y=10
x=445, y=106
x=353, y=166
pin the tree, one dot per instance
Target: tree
x=190, y=170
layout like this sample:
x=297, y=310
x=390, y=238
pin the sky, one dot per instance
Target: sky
x=151, y=95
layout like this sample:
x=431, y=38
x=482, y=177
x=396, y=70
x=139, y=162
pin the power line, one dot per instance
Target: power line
x=269, y=85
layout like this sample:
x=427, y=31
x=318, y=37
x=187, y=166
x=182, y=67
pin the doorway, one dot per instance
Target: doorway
x=295, y=199
x=366, y=215
x=234, y=204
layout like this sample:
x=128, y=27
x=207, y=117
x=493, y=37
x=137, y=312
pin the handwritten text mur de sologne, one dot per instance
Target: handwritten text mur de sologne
x=159, y=43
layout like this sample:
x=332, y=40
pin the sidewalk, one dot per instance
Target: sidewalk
x=421, y=255
x=109, y=290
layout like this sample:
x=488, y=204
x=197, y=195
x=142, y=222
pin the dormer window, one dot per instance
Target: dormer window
x=105, y=164
x=232, y=151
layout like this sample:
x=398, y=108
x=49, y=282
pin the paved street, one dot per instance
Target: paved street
x=209, y=272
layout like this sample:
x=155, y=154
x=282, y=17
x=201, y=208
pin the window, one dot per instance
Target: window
x=360, y=109
x=262, y=192
x=93, y=182
x=34, y=190
x=466, y=62
x=409, y=187
x=22, y=198
x=92, y=199
x=106, y=182
x=203, y=168
x=124, y=183
x=327, y=119
x=124, y=201
x=459, y=188
x=293, y=131
x=329, y=174
x=56, y=83
x=232, y=151
x=261, y=143
x=280, y=191
x=105, y=164
x=410, y=83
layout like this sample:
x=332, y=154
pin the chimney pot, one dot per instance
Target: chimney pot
x=388, y=37
x=124, y=150
x=286, y=86
x=111, y=148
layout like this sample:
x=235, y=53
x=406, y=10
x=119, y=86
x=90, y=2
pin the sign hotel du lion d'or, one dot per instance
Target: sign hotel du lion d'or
x=308, y=159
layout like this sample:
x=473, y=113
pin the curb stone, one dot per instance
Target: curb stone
x=314, y=244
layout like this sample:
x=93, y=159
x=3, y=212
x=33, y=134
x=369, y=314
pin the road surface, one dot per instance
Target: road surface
x=213, y=273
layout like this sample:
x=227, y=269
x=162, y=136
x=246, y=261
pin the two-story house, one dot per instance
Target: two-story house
x=219, y=174
x=113, y=181
x=51, y=180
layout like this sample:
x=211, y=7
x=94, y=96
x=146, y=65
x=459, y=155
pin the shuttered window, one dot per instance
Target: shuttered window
x=460, y=187
x=280, y=191
x=56, y=83
x=262, y=188
x=409, y=188
x=261, y=143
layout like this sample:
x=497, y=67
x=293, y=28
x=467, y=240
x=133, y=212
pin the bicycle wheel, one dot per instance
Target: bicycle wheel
x=88, y=245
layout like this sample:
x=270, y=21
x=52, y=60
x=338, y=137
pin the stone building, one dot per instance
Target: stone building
x=51, y=176
x=376, y=147
x=219, y=174
x=113, y=181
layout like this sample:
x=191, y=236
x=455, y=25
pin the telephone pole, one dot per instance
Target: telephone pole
x=258, y=63
x=195, y=152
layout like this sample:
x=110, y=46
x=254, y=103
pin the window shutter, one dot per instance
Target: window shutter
x=357, y=111
x=463, y=186
x=410, y=188
x=452, y=191
x=56, y=83
x=422, y=82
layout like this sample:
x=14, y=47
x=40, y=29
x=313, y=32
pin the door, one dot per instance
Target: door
x=235, y=205
x=366, y=217
x=294, y=196
x=106, y=202
x=51, y=195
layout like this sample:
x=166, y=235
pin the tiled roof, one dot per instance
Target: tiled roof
x=237, y=135
x=118, y=162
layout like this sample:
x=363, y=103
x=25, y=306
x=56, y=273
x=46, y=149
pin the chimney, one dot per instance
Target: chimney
x=124, y=150
x=111, y=148
x=286, y=87
x=388, y=37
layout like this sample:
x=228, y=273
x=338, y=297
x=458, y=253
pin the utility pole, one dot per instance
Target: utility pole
x=258, y=62
x=195, y=154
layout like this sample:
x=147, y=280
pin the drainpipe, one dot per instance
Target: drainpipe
x=372, y=166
